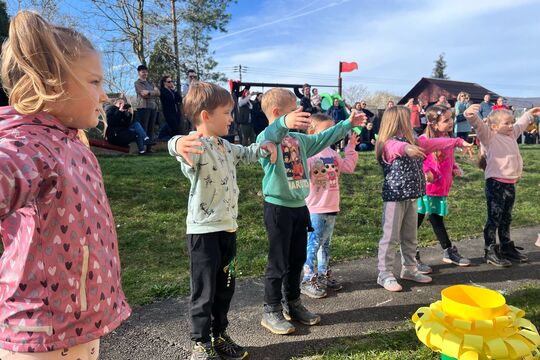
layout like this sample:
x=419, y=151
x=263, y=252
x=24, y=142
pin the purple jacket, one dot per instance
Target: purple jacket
x=60, y=270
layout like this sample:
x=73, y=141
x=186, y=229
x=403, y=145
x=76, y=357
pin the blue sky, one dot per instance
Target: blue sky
x=493, y=42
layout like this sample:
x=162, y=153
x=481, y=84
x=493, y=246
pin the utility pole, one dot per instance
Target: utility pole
x=240, y=70
x=175, y=44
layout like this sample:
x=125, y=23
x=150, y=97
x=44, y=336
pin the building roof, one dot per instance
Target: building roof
x=476, y=91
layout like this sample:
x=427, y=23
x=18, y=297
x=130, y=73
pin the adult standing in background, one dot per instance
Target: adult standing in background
x=443, y=102
x=258, y=118
x=412, y=104
x=147, y=94
x=485, y=106
x=191, y=76
x=246, y=134
x=170, y=104
x=500, y=104
x=462, y=128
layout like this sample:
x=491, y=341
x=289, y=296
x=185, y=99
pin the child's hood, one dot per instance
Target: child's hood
x=10, y=119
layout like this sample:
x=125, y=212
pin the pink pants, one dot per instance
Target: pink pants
x=88, y=351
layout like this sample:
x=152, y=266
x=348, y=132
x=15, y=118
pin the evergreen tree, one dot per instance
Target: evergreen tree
x=162, y=61
x=440, y=67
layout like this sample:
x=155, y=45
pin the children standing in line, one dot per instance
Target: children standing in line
x=209, y=162
x=60, y=269
x=323, y=205
x=404, y=182
x=439, y=168
x=286, y=217
x=504, y=166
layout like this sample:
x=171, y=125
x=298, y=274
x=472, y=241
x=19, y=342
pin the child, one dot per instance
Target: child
x=404, y=182
x=504, y=166
x=60, y=270
x=439, y=168
x=209, y=162
x=367, y=138
x=323, y=205
x=286, y=217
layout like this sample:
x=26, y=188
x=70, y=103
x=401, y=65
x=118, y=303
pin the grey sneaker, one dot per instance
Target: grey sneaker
x=415, y=276
x=493, y=256
x=294, y=310
x=326, y=281
x=452, y=256
x=227, y=348
x=312, y=288
x=203, y=351
x=274, y=321
x=420, y=266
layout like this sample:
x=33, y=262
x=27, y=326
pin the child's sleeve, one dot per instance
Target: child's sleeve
x=195, y=158
x=248, y=154
x=430, y=145
x=393, y=149
x=347, y=164
x=20, y=177
x=318, y=142
x=481, y=128
x=275, y=132
x=522, y=123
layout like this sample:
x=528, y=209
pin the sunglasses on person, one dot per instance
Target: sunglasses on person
x=168, y=81
x=192, y=76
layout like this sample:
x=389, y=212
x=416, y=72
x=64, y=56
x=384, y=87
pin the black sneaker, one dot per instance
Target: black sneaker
x=452, y=256
x=149, y=142
x=203, y=351
x=510, y=252
x=294, y=310
x=228, y=349
x=493, y=256
x=327, y=281
x=274, y=321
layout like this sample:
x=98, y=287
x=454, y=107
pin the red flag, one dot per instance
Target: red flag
x=348, y=67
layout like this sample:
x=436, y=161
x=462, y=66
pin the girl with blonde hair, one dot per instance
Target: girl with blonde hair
x=60, y=270
x=401, y=155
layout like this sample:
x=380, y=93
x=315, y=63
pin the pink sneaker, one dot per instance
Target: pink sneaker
x=537, y=243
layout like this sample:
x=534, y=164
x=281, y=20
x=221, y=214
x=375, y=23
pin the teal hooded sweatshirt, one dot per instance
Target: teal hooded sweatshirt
x=286, y=183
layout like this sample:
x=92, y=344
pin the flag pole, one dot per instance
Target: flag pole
x=340, y=82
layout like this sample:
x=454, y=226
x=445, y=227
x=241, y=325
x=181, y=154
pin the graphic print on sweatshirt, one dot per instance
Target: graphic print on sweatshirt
x=292, y=160
x=324, y=174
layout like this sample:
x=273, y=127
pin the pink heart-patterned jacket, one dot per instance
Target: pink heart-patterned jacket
x=60, y=270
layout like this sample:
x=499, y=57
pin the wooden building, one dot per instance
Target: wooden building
x=429, y=89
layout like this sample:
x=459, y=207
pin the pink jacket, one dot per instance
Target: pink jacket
x=324, y=170
x=441, y=166
x=395, y=148
x=503, y=159
x=60, y=270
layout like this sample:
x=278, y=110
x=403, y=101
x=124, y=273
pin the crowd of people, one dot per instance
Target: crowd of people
x=61, y=288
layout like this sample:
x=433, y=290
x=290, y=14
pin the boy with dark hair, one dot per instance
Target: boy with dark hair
x=209, y=162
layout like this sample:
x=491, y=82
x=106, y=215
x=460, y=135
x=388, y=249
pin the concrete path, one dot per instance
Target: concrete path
x=160, y=331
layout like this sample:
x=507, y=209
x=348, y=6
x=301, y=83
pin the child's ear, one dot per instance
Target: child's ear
x=205, y=115
x=276, y=112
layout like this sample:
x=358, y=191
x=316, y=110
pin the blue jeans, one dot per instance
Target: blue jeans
x=141, y=134
x=319, y=243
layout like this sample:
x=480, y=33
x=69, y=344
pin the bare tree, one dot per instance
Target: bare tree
x=354, y=93
x=379, y=99
x=50, y=11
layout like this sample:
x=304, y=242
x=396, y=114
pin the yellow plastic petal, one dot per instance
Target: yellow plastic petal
x=497, y=348
x=473, y=342
x=451, y=345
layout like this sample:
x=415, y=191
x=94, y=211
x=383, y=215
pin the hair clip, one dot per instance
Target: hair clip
x=439, y=113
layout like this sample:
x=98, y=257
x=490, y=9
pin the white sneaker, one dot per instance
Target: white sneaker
x=537, y=243
x=415, y=276
x=389, y=283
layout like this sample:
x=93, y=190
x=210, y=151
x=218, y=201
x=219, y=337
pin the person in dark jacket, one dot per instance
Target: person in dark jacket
x=122, y=130
x=170, y=104
x=258, y=119
x=337, y=112
x=367, y=138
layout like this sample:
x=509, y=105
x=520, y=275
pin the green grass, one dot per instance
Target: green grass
x=403, y=344
x=148, y=196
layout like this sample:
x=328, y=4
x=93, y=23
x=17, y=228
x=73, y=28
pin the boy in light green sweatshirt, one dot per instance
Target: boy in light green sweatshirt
x=286, y=217
x=209, y=162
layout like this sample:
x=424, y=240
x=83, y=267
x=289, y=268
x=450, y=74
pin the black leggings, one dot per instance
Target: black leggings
x=437, y=222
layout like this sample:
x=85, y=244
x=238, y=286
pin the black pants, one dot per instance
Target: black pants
x=147, y=118
x=463, y=135
x=437, y=223
x=500, y=199
x=287, y=240
x=213, y=258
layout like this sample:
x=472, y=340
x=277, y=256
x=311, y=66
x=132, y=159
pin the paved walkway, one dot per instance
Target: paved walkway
x=160, y=331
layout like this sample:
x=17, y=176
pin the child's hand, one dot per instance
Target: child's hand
x=429, y=176
x=297, y=119
x=457, y=172
x=358, y=118
x=414, y=151
x=466, y=145
x=271, y=148
x=186, y=144
x=373, y=141
x=353, y=139
x=534, y=111
x=472, y=111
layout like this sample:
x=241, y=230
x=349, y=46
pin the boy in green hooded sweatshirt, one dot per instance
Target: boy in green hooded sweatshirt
x=286, y=217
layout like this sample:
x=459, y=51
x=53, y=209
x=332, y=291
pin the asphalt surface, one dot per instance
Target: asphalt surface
x=160, y=331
